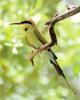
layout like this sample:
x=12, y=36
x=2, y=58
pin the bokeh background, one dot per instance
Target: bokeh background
x=18, y=79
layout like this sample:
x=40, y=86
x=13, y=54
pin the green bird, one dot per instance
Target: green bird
x=34, y=39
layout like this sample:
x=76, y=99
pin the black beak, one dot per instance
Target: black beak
x=23, y=22
x=15, y=24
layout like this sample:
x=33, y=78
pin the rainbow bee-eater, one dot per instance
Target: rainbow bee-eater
x=34, y=39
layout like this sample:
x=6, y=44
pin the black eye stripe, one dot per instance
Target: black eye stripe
x=25, y=22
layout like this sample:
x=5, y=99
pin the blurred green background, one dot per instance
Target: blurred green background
x=18, y=79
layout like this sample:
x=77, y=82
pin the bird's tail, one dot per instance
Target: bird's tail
x=53, y=54
x=60, y=71
x=53, y=60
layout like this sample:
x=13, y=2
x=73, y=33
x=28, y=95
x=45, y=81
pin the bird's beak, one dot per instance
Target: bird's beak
x=20, y=23
x=16, y=23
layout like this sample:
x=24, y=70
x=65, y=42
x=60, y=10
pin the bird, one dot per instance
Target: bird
x=34, y=39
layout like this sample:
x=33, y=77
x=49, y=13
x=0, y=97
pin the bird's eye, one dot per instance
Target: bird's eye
x=26, y=29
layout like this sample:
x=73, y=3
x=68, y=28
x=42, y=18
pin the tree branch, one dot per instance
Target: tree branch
x=51, y=24
x=64, y=15
x=41, y=49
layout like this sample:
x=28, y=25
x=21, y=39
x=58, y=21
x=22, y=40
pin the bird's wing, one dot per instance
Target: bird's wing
x=40, y=37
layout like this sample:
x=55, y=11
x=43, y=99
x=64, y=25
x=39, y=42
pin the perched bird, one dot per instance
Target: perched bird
x=34, y=38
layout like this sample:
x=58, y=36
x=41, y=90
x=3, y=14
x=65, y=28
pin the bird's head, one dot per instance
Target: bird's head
x=27, y=24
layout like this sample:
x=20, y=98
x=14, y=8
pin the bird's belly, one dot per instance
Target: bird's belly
x=32, y=40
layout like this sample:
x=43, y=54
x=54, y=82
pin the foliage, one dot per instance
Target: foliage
x=18, y=79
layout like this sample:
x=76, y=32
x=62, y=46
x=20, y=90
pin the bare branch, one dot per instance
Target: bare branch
x=51, y=24
x=65, y=15
x=41, y=49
